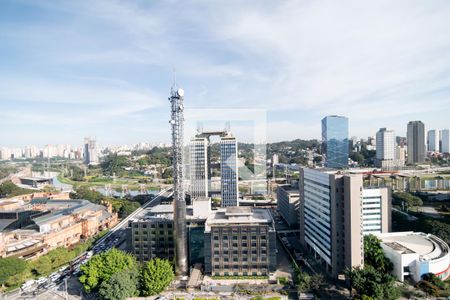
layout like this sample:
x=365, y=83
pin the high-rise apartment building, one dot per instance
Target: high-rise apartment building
x=198, y=153
x=229, y=171
x=334, y=214
x=416, y=142
x=444, y=141
x=240, y=241
x=90, y=152
x=335, y=141
x=433, y=140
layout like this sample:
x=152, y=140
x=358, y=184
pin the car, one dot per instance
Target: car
x=41, y=280
x=160, y=298
x=63, y=268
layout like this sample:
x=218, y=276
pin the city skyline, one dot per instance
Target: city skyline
x=102, y=69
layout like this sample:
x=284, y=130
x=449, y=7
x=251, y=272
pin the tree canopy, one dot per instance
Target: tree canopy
x=101, y=267
x=374, y=256
x=407, y=199
x=369, y=282
x=156, y=275
x=9, y=267
x=120, y=286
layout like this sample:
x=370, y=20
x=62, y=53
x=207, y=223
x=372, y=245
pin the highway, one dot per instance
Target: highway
x=53, y=286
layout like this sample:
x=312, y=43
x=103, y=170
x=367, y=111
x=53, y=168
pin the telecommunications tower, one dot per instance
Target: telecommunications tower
x=177, y=119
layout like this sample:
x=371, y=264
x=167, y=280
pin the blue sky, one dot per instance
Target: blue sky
x=70, y=69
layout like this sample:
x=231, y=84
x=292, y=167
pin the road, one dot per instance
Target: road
x=54, y=288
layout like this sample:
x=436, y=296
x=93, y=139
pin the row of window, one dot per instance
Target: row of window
x=153, y=225
x=243, y=259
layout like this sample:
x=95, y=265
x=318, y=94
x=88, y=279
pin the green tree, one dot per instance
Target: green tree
x=303, y=281
x=120, y=286
x=374, y=255
x=316, y=282
x=369, y=282
x=407, y=199
x=43, y=266
x=156, y=275
x=9, y=267
x=101, y=267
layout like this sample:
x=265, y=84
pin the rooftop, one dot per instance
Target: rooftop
x=427, y=246
x=238, y=215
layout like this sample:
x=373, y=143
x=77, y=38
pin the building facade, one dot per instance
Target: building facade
x=229, y=171
x=386, y=150
x=198, y=153
x=385, y=140
x=90, y=152
x=335, y=141
x=335, y=212
x=416, y=142
x=153, y=238
x=433, y=140
x=240, y=241
x=287, y=203
x=444, y=141
x=414, y=254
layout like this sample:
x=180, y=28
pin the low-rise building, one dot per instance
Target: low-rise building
x=240, y=241
x=43, y=224
x=152, y=234
x=287, y=203
x=414, y=254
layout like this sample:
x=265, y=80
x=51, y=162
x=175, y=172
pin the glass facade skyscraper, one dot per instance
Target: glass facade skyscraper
x=335, y=141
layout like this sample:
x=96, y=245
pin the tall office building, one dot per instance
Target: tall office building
x=229, y=171
x=240, y=241
x=444, y=141
x=90, y=152
x=386, y=156
x=198, y=153
x=385, y=144
x=335, y=141
x=416, y=142
x=433, y=141
x=336, y=212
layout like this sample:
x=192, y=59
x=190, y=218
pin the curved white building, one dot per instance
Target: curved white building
x=415, y=254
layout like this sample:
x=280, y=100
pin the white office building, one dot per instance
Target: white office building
x=385, y=144
x=386, y=155
x=198, y=153
x=336, y=212
x=229, y=171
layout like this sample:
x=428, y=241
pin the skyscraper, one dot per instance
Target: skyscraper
x=416, y=142
x=198, y=152
x=336, y=212
x=90, y=152
x=335, y=141
x=385, y=144
x=433, y=141
x=229, y=171
x=444, y=142
x=386, y=156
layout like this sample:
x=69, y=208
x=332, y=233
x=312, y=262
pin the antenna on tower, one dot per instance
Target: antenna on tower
x=174, y=76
